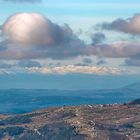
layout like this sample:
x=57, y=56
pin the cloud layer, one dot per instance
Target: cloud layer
x=115, y=50
x=28, y=63
x=130, y=25
x=132, y=62
x=77, y=69
x=97, y=38
x=32, y=36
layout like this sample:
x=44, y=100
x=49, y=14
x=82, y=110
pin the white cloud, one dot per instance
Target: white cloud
x=32, y=35
x=122, y=49
x=31, y=29
x=77, y=69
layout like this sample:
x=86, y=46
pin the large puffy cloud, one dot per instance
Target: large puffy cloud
x=130, y=25
x=32, y=29
x=32, y=35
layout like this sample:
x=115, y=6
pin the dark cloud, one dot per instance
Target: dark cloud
x=115, y=50
x=3, y=45
x=87, y=61
x=97, y=38
x=5, y=65
x=28, y=63
x=40, y=38
x=72, y=48
x=101, y=62
x=32, y=35
x=33, y=29
x=81, y=64
x=3, y=40
x=132, y=62
x=130, y=25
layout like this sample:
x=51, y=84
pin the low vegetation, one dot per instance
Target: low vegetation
x=89, y=122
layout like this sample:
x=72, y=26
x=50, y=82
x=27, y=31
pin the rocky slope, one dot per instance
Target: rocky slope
x=97, y=122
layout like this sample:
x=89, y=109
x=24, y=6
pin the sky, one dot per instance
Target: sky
x=77, y=44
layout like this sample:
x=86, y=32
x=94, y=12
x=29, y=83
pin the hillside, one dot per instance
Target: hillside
x=88, y=122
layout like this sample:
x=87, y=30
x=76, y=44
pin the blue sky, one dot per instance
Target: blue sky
x=60, y=10
x=87, y=12
x=79, y=37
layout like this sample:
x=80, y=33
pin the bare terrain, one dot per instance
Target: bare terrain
x=89, y=122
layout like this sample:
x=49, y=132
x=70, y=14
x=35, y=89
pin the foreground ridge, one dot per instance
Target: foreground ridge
x=88, y=122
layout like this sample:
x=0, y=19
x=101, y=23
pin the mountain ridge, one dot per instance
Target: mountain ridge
x=86, y=122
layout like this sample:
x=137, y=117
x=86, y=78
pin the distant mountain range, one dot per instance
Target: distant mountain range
x=26, y=100
x=133, y=87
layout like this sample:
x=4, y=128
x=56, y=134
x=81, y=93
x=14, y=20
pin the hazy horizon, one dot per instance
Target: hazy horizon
x=66, y=82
